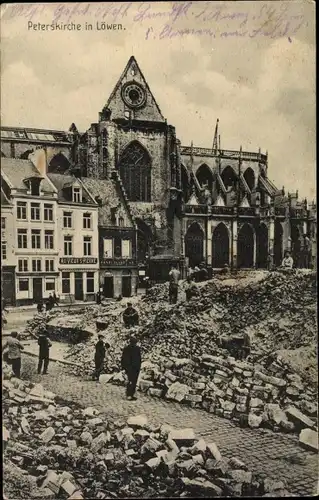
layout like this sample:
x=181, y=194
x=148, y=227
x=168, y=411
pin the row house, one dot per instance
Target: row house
x=77, y=221
x=33, y=231
x=117, y=237
x=7, y=250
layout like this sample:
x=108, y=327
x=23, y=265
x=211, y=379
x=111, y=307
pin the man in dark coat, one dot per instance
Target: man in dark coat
x=100, y=349
x=130, y=316
x=44, y=353
x=131, y=363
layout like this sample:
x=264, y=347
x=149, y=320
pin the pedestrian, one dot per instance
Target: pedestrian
x=99, y=357
x=131, y=363
x=174, y=275
x=44, y=353
x=98, y=298
x=191, y=289
x=14, y=348
x=130, y=316
x=202, y=273
x=40, y=306
x=55, y=299
x=287, y=262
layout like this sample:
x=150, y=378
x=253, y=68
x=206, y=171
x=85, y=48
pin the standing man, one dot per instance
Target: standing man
x=44, y=353
x=131, y=362
x=100, y=349
x=14, y=348
x=174, y=275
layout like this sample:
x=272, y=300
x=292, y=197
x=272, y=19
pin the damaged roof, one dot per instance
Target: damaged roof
x=16, y=171
x=63, y=181
x=106, y=190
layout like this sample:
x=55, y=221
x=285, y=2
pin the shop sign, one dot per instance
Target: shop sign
x=78, y=260
x=118, y=262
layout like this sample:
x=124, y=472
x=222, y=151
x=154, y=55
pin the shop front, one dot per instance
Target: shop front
x=8, y=285
x=118, y=278
x=78, y=279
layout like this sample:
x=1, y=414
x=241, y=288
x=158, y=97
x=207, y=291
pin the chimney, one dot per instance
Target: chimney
x=39, y=160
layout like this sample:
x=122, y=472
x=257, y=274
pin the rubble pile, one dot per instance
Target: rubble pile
x=183, y=354
x=70, y=453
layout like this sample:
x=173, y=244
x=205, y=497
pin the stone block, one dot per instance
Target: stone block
x=213, y=451
x=137, y=421
x=300, y=419
x=86, y=437
x=90, y=412
x=308, y=438
x=144, y=385
x=47, y=435
x=155, y=392
x=255, y=402
x=182, y=436
x=98, y=443
x=254, y=421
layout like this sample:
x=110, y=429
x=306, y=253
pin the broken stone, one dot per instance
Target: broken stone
x=299, y=418
x=47, y=435
x=177, y=391
x=308, y=438
x=98, y=443
x=68, y=487
x=137, y=421
x=95, y=422
x=90, y=412
x=86, y=437
x=105, y=378
x=52, y=482
x=151, y=445
x=214, y=451
x=254, y=421
x=182, y=436
x=154, y=392
x=153, y=463
x=71, y=443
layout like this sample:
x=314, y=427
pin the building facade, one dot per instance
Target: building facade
x=34, y=204
x=117, y=238
x=8, y=261
x=188, y=204
x=77, y=226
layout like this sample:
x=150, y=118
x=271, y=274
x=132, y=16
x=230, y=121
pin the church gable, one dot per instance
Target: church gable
x=131, y=98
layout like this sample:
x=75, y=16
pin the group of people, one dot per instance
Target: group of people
x=131, y=359
x=51, y=301
x=12, y=349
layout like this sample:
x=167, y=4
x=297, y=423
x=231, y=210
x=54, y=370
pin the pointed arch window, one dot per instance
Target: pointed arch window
x=135, y=171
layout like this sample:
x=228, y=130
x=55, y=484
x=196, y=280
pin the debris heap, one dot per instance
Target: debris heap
x=69, y=452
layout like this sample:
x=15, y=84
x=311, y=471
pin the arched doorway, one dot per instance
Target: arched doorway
x=278, y=254
x=59, y=164
x=229, y=177
x=144, y=240
x=135, y=172
x=194, y=245
x=220, y=246
x=249, y=177
x=262, y=246
x=205, y=176
x=296, y=246
x=245, y=247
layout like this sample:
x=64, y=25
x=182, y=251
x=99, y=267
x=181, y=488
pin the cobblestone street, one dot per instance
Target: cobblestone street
x=277, y=455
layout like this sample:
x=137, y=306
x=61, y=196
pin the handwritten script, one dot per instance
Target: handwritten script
x=177, y=19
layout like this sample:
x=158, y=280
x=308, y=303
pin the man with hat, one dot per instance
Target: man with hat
x=100, y=349
x=14, y=348
x=131, y=363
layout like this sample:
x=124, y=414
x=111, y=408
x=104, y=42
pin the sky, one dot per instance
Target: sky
x=250, y=64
